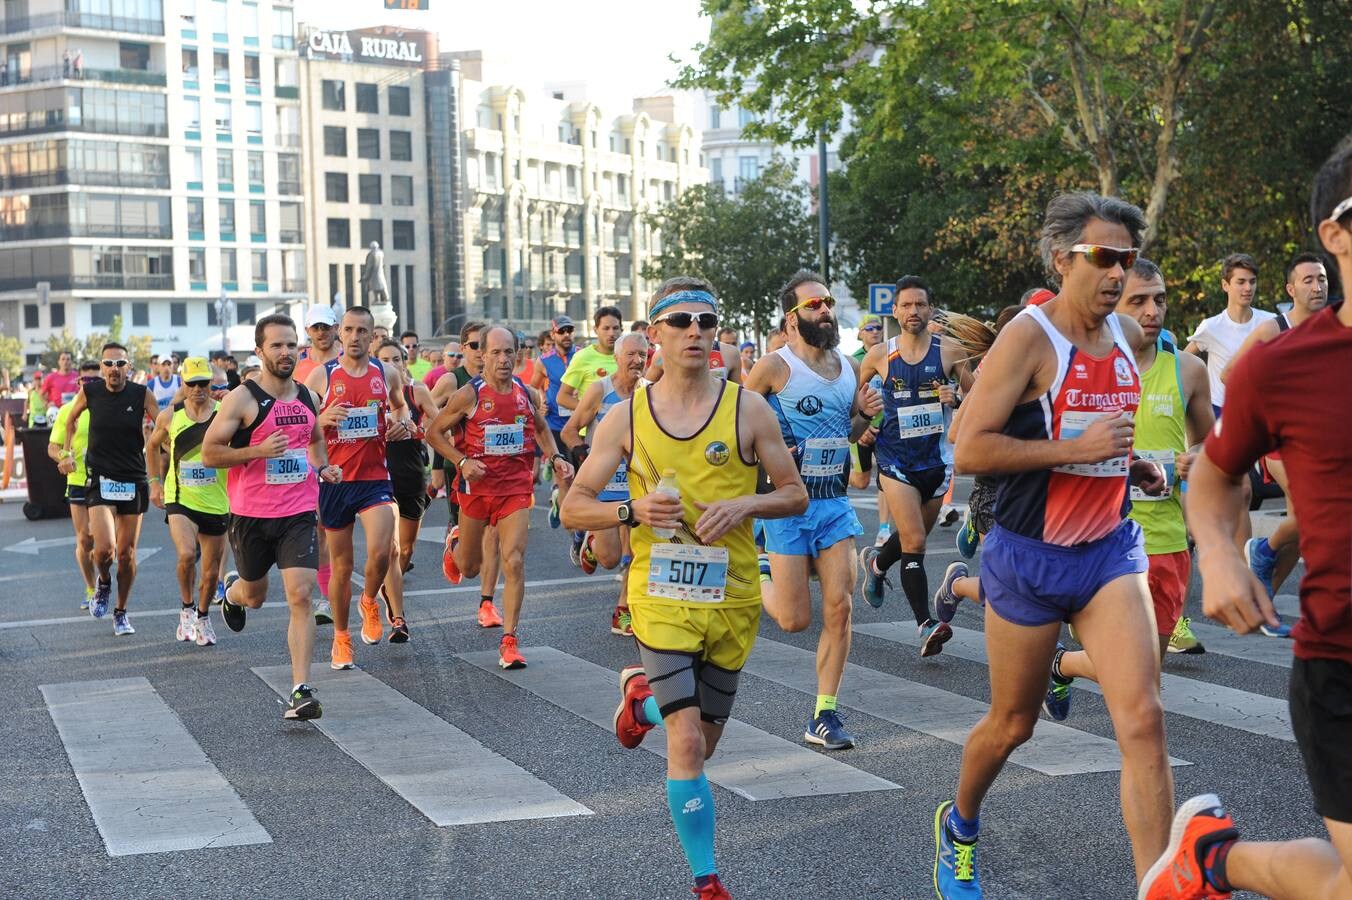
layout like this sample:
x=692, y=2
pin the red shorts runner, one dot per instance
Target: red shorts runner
x=1168, y=579
x=493, y=508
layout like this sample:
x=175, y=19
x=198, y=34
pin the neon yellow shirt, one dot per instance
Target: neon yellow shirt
x=586, y=366
x=77, y=444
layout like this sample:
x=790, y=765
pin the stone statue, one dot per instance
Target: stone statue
x=373, y=276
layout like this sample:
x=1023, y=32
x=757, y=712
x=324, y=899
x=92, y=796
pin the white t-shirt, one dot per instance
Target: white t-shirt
x=1220, y=336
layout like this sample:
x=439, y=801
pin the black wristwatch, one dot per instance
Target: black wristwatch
x=625, y=513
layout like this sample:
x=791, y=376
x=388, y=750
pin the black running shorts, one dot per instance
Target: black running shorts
x=1321, y=717
x=136, y=506
x=209, y=524
x=260, y=544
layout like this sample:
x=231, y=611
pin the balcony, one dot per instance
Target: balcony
x=293, y=285
x=45, y=231
x=43, y=74
x=285, y=92
x=84, y=177
x=288, y=141
x=119, y=281
x=92, y=21
x=288, y=187
x=289, y=237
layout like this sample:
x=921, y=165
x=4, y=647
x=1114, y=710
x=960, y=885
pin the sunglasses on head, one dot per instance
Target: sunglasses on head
x=109, y=363
x=708, y=321
x=567, y=329
x=1106, y=257
x=816, y=303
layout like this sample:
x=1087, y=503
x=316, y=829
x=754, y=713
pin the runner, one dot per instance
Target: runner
x=814, y=390
x=1051, y=414
x=321, y=327
x=695, y=597
x=73, y=467
x=1270, y=407
x=609, y=547
x=417, y=366
x=59, y=387
x=917, y=369
x=362, y=404
x=115, y=491
x=588, y=364
x=495, y=459
x=166, y=383
x=548, y=381
x=1174, y=418
x=266, y=432
x=1272, y=558
x=747, y=350
x=407, y=458
x=196, y=507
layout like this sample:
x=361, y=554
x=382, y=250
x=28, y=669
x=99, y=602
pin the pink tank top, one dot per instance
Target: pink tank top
x=285, y=485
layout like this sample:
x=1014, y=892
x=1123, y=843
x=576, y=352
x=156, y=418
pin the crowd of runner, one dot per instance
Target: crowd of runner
x=1109, y=455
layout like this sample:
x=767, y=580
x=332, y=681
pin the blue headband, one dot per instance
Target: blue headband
x=683, y=297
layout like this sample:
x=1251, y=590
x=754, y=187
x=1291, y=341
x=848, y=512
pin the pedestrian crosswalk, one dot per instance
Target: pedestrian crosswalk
x=134, y=759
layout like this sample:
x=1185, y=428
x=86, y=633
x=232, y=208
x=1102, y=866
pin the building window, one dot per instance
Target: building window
x=715, y=117
x=333, y=94
x=258, y=265
x=246, y=312
x=220, y=64
x=335, y=140
x=288, y=173
x=254, y=119
x=223, y=119
x=716, y=171
x=368, y=143
x=335, y=187
x=189, y=63
x=58, y=314
x=748, y=168
x=252, y=70
x=401, y=145
x=289, y=229
x=256, y=168
x=196, y=216
x=192, y=114
x=178, y=315
x=258, y=218
x=372, y=230
x=225, y=166
x=745, y=117
x=227, y=220
x=402, y=234
x=283, y=28
x=229, y=267
x=399, y=102
x=195, y=167
x=101, y=315
x=340, y=233
x=368, y=98
x=197, y=266
x=140, y=314
x=401, y=190
x=368, y=189
x=30, y=316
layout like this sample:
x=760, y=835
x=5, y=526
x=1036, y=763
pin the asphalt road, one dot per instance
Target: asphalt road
x=338, y=830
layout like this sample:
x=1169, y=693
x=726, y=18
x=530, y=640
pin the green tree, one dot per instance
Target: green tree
x=91, y=346
x=746, y=244
x=11, y=356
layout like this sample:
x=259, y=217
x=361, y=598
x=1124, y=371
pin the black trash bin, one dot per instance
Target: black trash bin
x=46, y=484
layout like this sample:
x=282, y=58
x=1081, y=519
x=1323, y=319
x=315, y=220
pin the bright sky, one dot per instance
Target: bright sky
x=620, y=48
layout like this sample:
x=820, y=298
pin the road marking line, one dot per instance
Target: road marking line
x=751, y=763
x=1053, y=749
x=1202, y=700
x=148, y=783
x=444, y=773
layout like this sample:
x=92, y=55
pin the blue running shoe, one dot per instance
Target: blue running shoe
x=103, y=592
x=220, y=592
x=121, y=624
x=1262, y=561
x=945, y=601
x=875, y=584
x=933, y=636
x=1057, y=701
x=554, y=520
x=968, y=540
x=954, y=861
x=1282, y=630
x=827, y=731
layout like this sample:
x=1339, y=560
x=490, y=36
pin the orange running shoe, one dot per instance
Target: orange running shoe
x=488, y=616
x=711, y=890
x=1201, y=827
x=448, y=566
x=340, y=657
x=372, y=632
x=629, y=730
x=509, y=657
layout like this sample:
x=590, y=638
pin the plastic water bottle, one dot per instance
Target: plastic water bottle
x=669, y=487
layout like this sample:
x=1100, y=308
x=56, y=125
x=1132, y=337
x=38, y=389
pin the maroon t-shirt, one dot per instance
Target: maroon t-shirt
x=1292, y=394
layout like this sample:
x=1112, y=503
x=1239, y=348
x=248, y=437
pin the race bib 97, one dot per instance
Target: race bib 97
x=689, y=572
x=824, y=456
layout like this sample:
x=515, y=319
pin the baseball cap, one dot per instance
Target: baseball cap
x=195, y=368
x=870, y=319
x=253, y=362
x=320, y=315
x=747, y=345
x=561, y=322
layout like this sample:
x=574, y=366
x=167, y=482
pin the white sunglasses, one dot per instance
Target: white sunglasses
x=1341, y=210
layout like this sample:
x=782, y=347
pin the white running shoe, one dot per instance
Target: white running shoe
x=122, y=624
x=185, y=629
x=949, y=515
x=323, y=612
x=203, y=633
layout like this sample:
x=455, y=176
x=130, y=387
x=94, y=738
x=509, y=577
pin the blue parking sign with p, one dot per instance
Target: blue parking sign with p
x=880, y=298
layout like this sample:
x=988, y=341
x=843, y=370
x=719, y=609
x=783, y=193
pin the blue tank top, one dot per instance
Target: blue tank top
x=618, y=486
x=555, y=365
x=914, y=421
x=814, y=416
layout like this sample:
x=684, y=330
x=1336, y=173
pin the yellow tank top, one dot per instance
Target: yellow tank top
x=709, y=466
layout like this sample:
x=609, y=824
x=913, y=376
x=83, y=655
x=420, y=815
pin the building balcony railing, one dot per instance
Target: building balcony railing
x=290, y=141
x=289, y=237
x=65, y=72
x=285, y=92
x=39, y=123
x=101, y=282
x=39, y=232
x=293, y=285
x=288, y=187
x=93, y=21
x=86, y=178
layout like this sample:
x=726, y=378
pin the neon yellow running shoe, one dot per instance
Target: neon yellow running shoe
x=1183, y=640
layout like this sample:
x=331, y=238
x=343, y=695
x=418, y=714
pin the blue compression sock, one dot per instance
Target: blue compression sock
x=692, y=811
x=963, y=829
x=651, y=714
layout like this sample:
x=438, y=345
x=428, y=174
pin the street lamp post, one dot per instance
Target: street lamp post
x=225, y=312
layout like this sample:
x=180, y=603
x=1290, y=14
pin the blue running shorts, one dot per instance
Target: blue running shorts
x=340, y=504
x=827, y=522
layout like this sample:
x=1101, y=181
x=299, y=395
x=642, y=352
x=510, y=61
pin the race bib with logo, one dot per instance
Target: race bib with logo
x=824, y=456
x=1165, y=460
x=196, y=475
x=289, y=468
x=117, y=491
x=504, y=440
x=1075, y=423
x=688, y=572
x=920, y=420
x=361, y=423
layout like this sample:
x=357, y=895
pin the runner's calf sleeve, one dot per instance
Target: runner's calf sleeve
x=915, y=584
x=692, y=811
x=324, y=572
x=890, y=552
